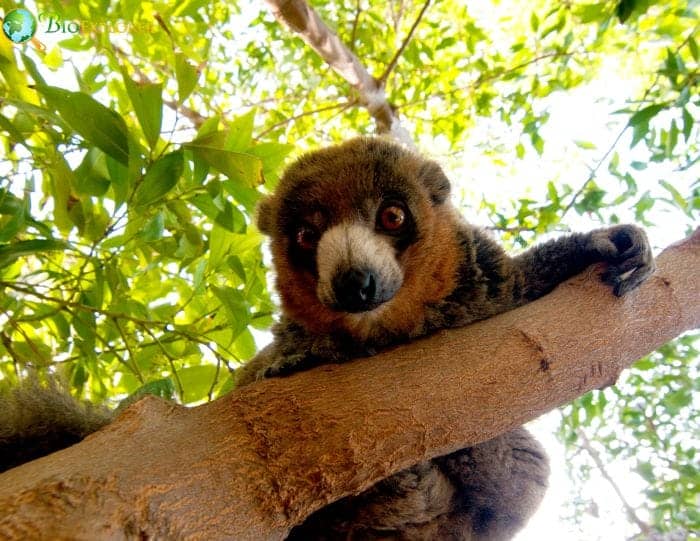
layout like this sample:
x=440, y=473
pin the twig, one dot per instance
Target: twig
x=595, y=455
x=612, y=147
x=171, y=360
x=299, y=17
x=383, y=77
x=341, y=106
x=486, y=78
x=355, y=23
x=135, y=367
x=7, y=342
x=216, y=379
x=193, y=116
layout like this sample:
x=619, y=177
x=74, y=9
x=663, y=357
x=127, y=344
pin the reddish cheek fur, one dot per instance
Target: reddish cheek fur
x=298, y=292
x=430, y=272
x=429, y=267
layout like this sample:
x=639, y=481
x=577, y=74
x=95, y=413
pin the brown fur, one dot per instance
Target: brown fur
x=36, y=420
x=453, y=274
x=430, y=265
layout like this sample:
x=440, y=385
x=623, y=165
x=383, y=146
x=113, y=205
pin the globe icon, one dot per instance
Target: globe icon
x=19, y=25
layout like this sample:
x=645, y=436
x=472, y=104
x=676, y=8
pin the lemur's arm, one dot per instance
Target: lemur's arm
x=624, y=247
x=491, y=282
x=294, y=349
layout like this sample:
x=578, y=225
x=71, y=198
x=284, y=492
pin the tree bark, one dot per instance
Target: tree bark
x=261, y=459
x=300, y=18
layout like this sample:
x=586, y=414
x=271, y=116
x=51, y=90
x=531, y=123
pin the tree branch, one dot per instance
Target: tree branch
x=299, y=17
x=595, y=455
x=613, y=145
x=384, y=76
x=261, y=459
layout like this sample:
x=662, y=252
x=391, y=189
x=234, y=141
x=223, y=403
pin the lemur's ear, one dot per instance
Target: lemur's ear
x=433, y=178
x=265, y=215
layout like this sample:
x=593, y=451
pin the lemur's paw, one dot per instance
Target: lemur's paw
x=627, y=251
x=286, y=365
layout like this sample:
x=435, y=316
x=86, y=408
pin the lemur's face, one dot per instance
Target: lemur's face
x=362, y=238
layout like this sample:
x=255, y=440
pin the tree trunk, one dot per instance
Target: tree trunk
x=256, y=462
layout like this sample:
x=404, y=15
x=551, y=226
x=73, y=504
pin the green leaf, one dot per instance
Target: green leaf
x=240, y=135
x=586, y=145
x=10, y=128
x=53, y=59
x=237, y=166
x=160, y=178
x=153, y=230
x=646, y=470
x=687, y=124
x=9, y=203
x=589, y=13
x=693, y=46
x=96, y=123
x=22, y=248
x=534, y=21
x=32, y=69
x=624, y=9
x=186, y=76
x=643, y=116
x=671, y=139
x=676, y=400
x=147, y=99
x=220, y=243
x=92, y=175
x=197, y=381
x=638, y=133
x=235, y=307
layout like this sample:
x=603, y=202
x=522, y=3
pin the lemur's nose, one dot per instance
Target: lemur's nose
x=355, y=290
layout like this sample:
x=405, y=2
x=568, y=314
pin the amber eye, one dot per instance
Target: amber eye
x=392, y=218
x=306, y=237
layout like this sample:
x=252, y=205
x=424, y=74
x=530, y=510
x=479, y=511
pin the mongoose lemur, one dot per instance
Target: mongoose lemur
x=369, y=253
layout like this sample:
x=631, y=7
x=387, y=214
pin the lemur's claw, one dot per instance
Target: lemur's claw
x=627, y=251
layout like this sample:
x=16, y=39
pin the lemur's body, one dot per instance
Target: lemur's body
x=369, y=253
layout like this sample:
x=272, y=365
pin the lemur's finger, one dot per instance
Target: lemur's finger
x=627, y=275
x=631, y=281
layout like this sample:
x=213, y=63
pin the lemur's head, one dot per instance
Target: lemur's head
x=362, y=238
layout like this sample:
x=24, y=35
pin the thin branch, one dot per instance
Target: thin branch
x=193, y=116
x=641, y=104
x=210, y=393
x=341, y=106
x=28, y=340
x=299, y=17
x=512, y=229
x=355, y=23
x=486, y=78
x=171, y=360
x=7, y=342
x=382, y=79
x=135, y=366
x=595, y=455
x=79, y=306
